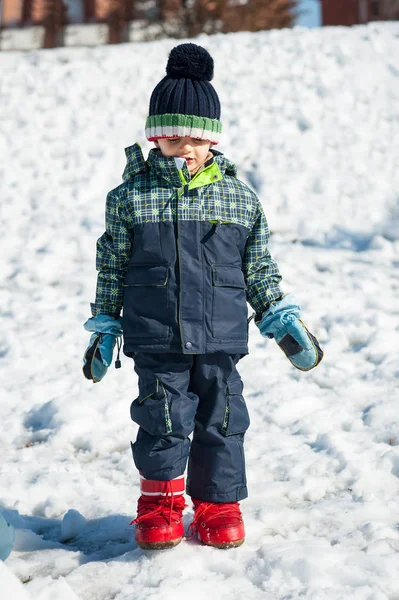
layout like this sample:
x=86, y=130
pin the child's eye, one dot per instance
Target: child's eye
x=197, y=140
x=173, y=140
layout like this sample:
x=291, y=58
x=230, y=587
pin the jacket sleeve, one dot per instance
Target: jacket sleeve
x=113, y=254
x=260, y=270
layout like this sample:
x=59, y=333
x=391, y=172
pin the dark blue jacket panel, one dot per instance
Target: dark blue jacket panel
x=184, y=289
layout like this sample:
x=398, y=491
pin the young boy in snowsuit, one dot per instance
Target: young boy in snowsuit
x=185, y=249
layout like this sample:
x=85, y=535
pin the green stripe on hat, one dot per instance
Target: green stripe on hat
x=170, y=125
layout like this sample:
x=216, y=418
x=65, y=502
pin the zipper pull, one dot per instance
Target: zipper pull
x=182, y=190
x=118, y=363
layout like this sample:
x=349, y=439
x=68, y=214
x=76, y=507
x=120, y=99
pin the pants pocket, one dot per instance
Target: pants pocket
x=151, y=409
x=236, y=418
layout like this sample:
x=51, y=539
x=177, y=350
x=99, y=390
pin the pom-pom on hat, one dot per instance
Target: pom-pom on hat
x=185, y=103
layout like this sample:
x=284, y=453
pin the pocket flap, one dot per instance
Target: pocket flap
x=235, y=387
x=155, y=275
x=228, y=276
x=151, y=388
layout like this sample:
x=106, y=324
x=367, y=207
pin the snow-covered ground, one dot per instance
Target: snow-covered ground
x=311, y=118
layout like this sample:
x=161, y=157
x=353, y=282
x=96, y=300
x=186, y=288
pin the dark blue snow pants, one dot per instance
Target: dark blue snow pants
x=180, y=394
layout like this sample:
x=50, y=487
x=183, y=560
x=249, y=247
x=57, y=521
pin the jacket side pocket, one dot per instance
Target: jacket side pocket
x=229, y=306
x=146, y=312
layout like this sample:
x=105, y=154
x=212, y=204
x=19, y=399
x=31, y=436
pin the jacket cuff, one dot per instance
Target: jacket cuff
x=103, y=310
x=262, y=307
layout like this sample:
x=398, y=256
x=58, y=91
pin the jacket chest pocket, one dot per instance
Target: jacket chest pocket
x=146, y=301
x=229, y=305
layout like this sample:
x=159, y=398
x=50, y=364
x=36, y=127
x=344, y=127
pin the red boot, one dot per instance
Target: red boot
x=220, y=525
x=159, y=521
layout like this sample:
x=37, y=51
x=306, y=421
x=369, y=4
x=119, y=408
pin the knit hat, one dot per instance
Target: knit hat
x=184, y=103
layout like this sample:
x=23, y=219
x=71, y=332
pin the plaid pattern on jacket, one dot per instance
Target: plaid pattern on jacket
x=155, y=191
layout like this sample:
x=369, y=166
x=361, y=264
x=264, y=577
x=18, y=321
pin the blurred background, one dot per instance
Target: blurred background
x=30, y=24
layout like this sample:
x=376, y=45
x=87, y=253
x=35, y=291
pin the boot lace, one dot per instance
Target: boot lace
x=170, y=507
x=206, y=511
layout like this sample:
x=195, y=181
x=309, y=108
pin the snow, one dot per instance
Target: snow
x=311, y=118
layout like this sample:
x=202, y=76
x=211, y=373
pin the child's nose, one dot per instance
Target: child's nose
x=185, y=145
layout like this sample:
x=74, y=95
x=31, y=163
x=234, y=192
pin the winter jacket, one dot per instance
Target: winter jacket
x=183, y=256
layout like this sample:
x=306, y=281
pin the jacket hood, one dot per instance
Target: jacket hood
x=166, y=166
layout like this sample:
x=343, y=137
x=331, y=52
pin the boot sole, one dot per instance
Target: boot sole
x=159, y=545
x=226, y=545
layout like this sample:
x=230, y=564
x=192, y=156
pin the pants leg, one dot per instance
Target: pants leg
x=165, y=411
x=216, y=468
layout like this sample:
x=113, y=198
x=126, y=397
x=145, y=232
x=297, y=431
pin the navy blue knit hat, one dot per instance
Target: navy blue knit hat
x=184, y=103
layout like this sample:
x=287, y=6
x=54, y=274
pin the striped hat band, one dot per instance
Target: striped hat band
x=176, y=125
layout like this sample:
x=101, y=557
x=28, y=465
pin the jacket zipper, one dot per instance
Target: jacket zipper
x=183, y=191
x=178, y=258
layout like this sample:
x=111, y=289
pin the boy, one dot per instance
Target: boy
x=185, y=248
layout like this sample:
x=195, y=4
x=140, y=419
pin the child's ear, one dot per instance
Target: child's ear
x=156, y=143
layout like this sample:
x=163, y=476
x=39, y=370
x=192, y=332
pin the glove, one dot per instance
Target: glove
x=7, y=535
x=98, y=355
x=282, y=322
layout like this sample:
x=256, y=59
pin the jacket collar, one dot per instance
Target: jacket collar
x=135, y=162
x=166, y=168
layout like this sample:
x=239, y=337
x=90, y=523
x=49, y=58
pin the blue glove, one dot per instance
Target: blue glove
x=282, y=322
x=7, y=535
x=98, y=355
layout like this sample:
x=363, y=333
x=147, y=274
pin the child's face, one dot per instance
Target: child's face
x=194, y=150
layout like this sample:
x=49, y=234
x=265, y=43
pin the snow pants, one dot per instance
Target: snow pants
x=199, y=394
